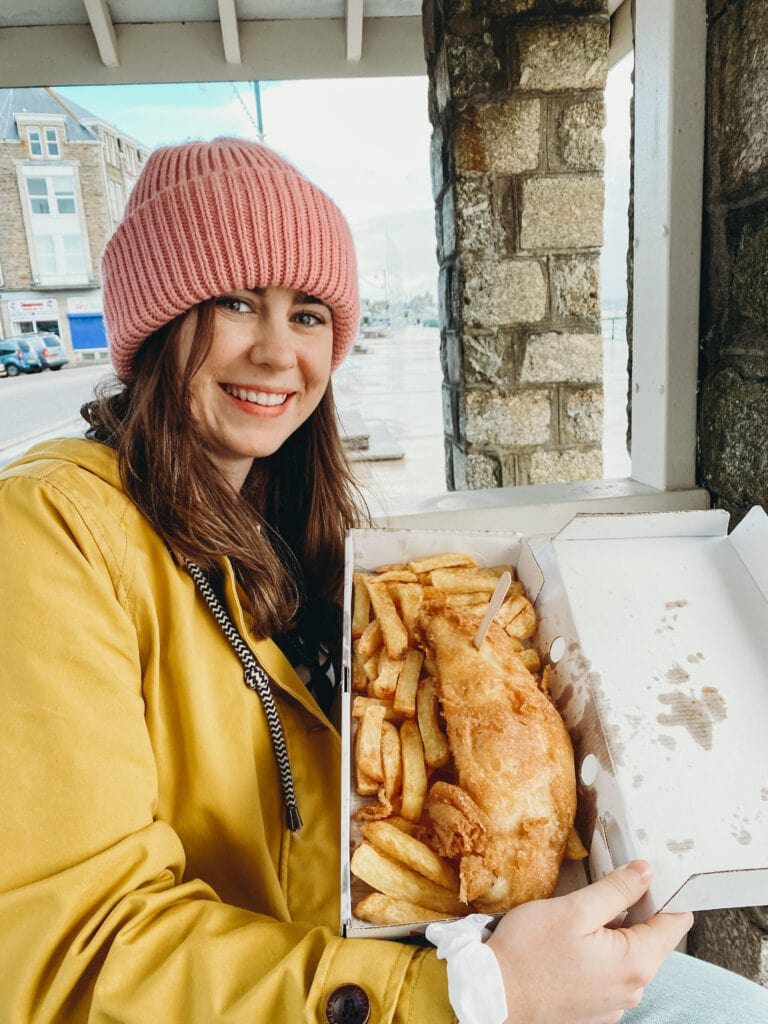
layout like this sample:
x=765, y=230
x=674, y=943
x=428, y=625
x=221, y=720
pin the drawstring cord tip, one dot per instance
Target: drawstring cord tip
x=294, y=818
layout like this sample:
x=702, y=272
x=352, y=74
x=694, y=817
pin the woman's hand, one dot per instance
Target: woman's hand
x=562, y=962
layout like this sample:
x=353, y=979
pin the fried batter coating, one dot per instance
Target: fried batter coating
x=509, y=816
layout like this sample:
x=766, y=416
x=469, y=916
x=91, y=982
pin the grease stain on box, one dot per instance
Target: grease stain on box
x=698, y=715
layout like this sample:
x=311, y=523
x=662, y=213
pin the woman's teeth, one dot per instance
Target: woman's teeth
x=257, y=397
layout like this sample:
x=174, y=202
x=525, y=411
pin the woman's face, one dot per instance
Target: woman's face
x=266, y=370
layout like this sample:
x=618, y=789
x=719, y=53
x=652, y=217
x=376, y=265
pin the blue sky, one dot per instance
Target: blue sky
x=365, y=141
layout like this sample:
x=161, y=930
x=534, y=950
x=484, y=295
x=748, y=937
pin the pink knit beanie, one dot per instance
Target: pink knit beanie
x=206, y=218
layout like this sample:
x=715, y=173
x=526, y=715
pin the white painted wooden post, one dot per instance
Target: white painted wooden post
x=670, y=65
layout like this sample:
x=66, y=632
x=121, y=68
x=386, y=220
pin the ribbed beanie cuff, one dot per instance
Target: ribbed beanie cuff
x=207, y=218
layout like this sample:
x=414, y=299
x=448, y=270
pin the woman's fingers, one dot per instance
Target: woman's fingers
x=662, y=932
x=598, y=904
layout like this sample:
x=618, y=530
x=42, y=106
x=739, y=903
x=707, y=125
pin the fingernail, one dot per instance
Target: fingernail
x=641, y=868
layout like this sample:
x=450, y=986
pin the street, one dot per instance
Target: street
x=39, y=405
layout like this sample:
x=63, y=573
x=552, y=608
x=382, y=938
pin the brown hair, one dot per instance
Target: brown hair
x=284, y=532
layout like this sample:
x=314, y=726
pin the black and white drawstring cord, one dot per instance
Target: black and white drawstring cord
x=257, y=680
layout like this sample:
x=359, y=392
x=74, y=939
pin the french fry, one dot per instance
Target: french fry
x=408, y=597
x=405, y=695
x=359, y=678
x=364, y=784
x=463, y=581
x=391, y=760
x=394, y=567
x=397, y=574
x=411, y=852
x=360, y=703
x=380, y=909
x=436, y=752
x=369, y=742
x=530, y=658
x=523, y=625
x=499, y=570
x=393, y=879
x=393, y=631
x=385, y=683
x=574, y=848
x=371, y=667
x=414, y=771
x=448, y=560
x=546, y=676
x=370, y=639
x=511, y=606
x=361, y=606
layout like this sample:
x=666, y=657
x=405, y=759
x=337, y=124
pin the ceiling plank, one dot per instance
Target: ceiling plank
x=103, y=31
x=192, y=52
x=229, y=32
x=354, y=17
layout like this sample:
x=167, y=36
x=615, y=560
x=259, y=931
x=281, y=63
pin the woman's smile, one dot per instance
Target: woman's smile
x=265, y=402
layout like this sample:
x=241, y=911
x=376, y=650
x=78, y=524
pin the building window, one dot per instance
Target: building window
x=43, y=143
x=54, y=195
x=58, y=245
x=129, y=155
x=35, y=142
x=110, y=144
x=115, y=200
x=52, y=142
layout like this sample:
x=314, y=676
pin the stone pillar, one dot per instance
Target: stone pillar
x=516, y=104
x=733, y=375
x=735, y=939
x=733, y=421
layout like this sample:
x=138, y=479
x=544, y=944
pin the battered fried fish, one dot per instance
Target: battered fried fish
x=508, y=818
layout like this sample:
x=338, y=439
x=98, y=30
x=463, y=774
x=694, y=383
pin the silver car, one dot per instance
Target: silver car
x=50, y=350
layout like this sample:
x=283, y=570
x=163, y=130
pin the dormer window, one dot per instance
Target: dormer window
x=52, y=142
x=35, y=142
x=43, y=143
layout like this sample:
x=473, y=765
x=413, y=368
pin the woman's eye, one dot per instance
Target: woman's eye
x=308, y=318
x=232, y=304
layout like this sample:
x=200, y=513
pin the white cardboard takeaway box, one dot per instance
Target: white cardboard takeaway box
x=662, y=619
x=366, y=550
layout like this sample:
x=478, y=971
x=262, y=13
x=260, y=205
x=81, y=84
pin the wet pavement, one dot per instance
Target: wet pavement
x=394, y=385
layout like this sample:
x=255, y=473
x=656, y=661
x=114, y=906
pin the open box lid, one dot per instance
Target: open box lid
x=663, y=684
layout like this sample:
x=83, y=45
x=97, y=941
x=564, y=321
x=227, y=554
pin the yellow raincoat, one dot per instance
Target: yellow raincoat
x=146, y=873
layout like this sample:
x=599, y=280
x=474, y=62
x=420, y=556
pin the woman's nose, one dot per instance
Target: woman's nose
x=274, y=344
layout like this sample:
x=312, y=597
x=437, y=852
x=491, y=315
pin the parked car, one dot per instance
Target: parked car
x=3, y=371
x=49, y=349
x=19, y=356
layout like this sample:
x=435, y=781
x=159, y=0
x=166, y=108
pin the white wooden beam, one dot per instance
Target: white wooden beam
x=354, y=19
x=229, y=32
x=191, y=51
x=103, y=31
x=670, y=66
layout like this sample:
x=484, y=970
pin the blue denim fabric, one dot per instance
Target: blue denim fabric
x=690, y=991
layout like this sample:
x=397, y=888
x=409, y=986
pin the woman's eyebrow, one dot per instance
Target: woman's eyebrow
x=302, y=297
